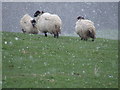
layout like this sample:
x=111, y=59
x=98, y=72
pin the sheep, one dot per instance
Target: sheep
x=50, y=23
x=28, y=24
x=85, y=28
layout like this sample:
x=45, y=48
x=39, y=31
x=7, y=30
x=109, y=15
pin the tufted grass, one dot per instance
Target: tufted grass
x=35, y=61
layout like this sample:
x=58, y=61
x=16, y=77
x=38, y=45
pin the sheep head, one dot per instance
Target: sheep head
x=91, y=34
x=80, y=17
x=33, y=22
x=37, y=13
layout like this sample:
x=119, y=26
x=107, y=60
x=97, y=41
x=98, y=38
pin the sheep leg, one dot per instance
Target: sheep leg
x=81, y=38
x=85, y=39
x=56, y=35
x=92, y=39
x=23, y=30
x=45, y=34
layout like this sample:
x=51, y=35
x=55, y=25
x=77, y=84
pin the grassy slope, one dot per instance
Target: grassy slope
x=34, y=61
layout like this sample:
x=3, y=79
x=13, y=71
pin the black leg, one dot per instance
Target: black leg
x=23, y=30
x=92, y=39
x=45, y=34
x=57, y=35
x=54, y=35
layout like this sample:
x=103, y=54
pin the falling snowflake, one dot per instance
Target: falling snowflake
x=110, y=76
x=48, y=72
x=93, y=11
x=10, y=43
x=5, y=77
x=83, y=64
x=5, y=42
x=30, y=57
x=45, y=63
x=82, y=10
x=16, y=38
x=73, y=56
x=98, y=25
x=83, y=71
x=97, y=48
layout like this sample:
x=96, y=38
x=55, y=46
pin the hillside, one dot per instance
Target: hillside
x=35, y=61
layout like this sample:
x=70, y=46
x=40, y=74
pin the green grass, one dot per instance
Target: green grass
x=35, y=61
x=0, y=60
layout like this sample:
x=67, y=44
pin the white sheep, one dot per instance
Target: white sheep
x=28, y=24
x=50, y=23
x=85, y=28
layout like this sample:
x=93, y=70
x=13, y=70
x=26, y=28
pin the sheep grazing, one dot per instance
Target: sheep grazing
x=47, y=22
x=85, y=28
x=28, y=24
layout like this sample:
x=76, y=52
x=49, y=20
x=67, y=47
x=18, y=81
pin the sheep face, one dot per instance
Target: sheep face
x=91, y=34
x=37, y=13
x=27, y=24
x=33, y=22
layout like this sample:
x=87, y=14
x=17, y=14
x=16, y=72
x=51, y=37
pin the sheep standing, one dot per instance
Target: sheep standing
x=85, y=29
x=28, y=24
x=50, y=23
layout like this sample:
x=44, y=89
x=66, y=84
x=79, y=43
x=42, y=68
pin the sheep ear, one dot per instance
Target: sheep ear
x=78, y=18
x=43, y=12
x=33, y=22
x=37, y=13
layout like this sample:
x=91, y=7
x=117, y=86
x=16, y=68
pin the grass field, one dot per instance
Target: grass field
x=35, y=61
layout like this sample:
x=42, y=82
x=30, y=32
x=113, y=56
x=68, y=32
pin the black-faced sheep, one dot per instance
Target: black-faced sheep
x=27, y=24
x=47, y=22
x=85, y=28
